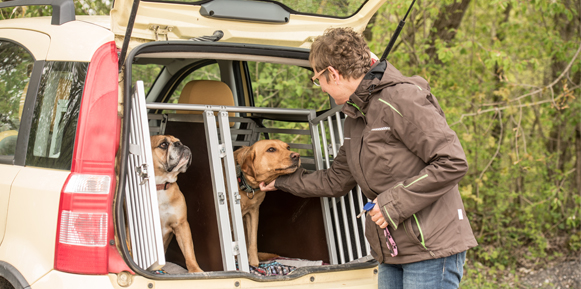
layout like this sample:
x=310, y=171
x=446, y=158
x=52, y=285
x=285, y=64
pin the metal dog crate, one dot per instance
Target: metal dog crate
x=344, y=233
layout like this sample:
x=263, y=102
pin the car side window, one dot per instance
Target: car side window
x=56, y=112
x=285, y=86
x=15, y=69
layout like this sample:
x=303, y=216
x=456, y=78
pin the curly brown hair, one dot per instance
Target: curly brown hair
x=343, y=49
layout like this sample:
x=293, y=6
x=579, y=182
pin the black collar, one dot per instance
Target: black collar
x=163, y=186
x=242, y=184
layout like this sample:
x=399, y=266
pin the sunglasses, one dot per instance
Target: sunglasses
x=315, y=78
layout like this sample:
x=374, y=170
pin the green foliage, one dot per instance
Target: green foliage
x=146, y=73
x=285, y=86
x=339, y=8
x=14, y=73
x=83, y=7
x=498, y=83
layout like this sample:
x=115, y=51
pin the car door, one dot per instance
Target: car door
x=23, y=53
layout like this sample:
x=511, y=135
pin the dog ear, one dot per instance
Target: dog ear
x=240, y=154
x=244, y=157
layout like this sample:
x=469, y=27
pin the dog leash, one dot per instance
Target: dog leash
x=389, y=241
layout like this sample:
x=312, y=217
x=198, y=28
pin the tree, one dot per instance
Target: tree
x=507, y=74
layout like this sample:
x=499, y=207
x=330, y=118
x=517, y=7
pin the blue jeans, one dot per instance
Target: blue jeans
x=442, y=273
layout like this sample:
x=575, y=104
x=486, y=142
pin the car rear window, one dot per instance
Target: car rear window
x=56, y=113
x=324, y=7
x=15, y=69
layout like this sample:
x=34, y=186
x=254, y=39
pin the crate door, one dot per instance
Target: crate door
x=141, y=195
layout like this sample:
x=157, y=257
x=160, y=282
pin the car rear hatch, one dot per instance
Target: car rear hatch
x=281, y=23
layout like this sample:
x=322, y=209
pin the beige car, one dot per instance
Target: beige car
x=82, y=94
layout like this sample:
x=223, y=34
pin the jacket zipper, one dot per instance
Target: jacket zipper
x=421, y=233
x=371, y=88
x=355, y=106
x=369, y=91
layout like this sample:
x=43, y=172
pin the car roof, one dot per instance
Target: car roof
x=75, y=40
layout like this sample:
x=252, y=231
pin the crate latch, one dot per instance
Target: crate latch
x=142, y=173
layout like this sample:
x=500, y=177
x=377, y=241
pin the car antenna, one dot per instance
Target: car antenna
x=395, y=34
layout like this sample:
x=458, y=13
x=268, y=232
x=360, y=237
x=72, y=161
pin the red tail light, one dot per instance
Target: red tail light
x=85, y=225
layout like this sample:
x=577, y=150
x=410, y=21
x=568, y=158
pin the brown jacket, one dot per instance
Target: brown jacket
x=399, y=149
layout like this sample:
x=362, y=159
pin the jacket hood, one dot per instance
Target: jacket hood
x=381, y=75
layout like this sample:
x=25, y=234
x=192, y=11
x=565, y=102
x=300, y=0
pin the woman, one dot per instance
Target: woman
x=399, y=149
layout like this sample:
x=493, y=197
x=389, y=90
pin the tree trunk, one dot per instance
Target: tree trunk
x=367, y=32
x=560, y=137
x=444, y=28
x=578, y=156
x=498, y=71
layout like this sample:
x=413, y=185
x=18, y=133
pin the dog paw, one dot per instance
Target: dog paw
x=196, y=270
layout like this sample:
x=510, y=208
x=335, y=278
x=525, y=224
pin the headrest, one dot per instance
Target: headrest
x=210, y=92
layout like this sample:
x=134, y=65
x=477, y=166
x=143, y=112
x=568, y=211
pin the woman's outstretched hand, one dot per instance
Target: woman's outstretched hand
x=267, y=187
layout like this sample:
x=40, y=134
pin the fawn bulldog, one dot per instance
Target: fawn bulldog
x=171, y=157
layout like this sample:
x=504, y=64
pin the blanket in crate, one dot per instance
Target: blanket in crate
x=273, y=267
x=281, y=266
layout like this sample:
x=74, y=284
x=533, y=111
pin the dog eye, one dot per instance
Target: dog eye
x=163, y=145
x=271, y=150
x=288, y=148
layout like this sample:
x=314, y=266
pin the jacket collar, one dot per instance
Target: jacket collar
x=382, y=74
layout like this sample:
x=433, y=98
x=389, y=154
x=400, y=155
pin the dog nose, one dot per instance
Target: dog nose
x=295, y=156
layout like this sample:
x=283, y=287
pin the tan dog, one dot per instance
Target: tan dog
x=264, y=161
x=171, y=157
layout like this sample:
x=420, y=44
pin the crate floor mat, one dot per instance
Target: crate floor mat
x=281, y=266
x=171, y=268
x=274, y=267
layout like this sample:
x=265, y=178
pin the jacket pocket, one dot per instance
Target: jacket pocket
x=414, y=231
x=372, y=235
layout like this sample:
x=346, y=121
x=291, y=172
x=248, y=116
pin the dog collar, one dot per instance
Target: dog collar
x=163, y=186
x=243, y=184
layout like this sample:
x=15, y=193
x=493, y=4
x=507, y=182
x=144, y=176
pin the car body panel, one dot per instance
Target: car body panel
x=72, y=41
x=182, y=22
x=30, y=235
x=36, y=42
x=7, y=175
x=351, y=279
x=354, y=279
x=58, y=279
